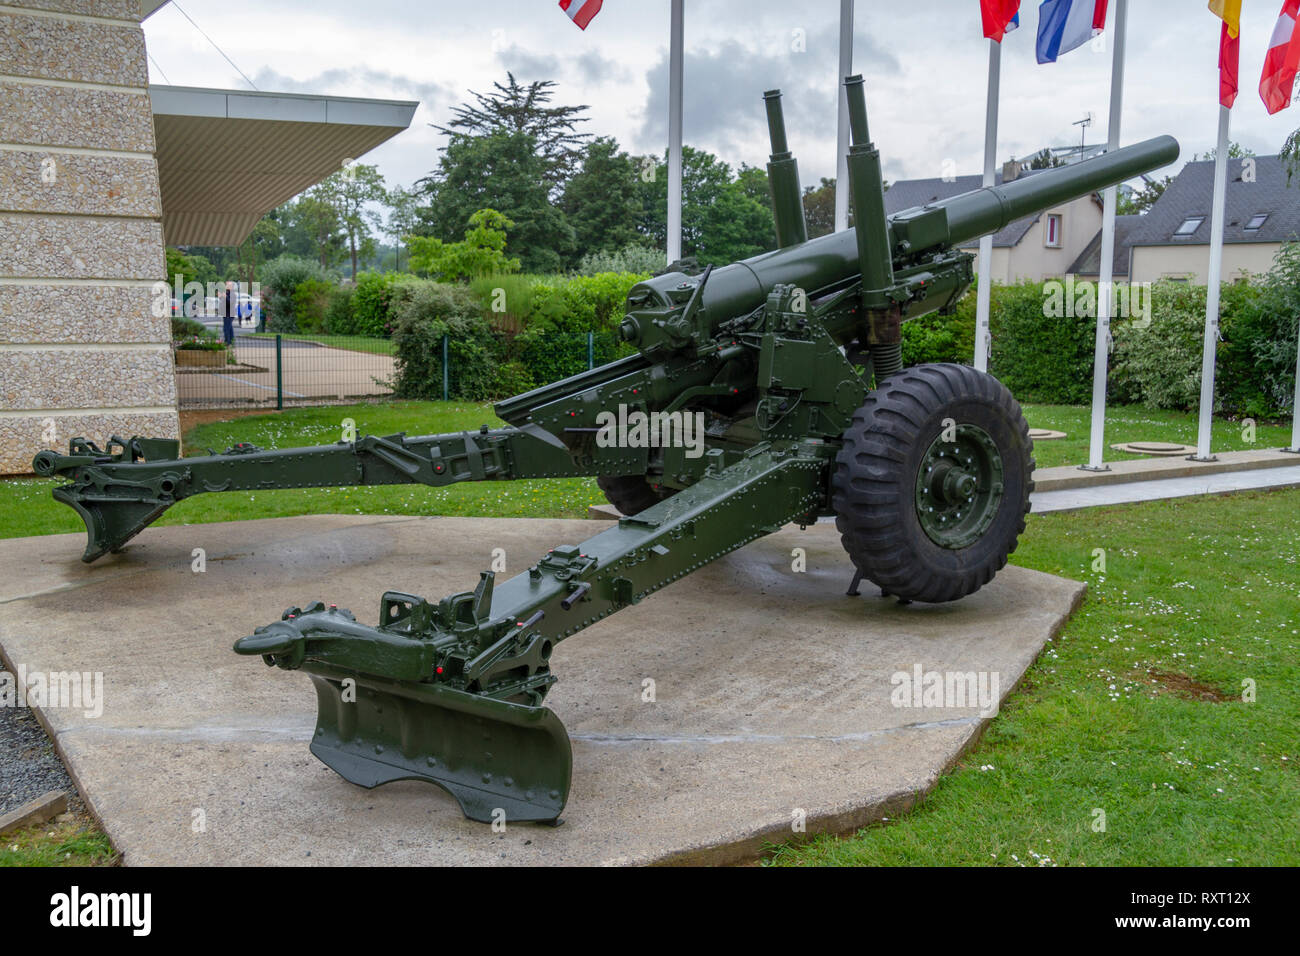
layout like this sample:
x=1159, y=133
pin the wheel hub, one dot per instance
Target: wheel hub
x=959, y=486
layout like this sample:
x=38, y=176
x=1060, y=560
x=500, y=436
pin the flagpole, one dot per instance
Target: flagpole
x=675, y=132
x=842, y=130
x=1213, y=281
x=984, y=291
x=1295, y=409
x=1106, y=276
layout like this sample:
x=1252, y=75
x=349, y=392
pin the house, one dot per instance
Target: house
x=1037, y=247
x=1172, y=239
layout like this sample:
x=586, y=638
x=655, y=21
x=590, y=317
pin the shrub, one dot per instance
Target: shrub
x=280, y=280
x=505, y=301
x=1258, y=356
x=942, y=338
x=370, y=304
x=310, y=299
x=582, y=303
x=424, y=312
x=634, y=258
x=339, y=317
x=188, y=329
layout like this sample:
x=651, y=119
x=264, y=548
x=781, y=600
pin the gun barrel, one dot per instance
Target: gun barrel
x=829, y=262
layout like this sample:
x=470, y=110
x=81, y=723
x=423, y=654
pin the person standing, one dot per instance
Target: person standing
x=231, y=308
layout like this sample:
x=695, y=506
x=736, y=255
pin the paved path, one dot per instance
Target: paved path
x=775, y=698
x=311, y=371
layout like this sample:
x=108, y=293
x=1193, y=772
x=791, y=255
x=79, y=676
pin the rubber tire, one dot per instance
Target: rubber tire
x=874, y=479
x=630, y=494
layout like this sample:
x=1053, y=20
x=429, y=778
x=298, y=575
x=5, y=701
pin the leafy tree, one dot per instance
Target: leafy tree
x=819, y=208
x=1045, y=160
x=602, y=201
x=1143, y=199
x=1235, y=151
x=402, y=218
x=480, y=253
x=353, y=192
x=721, y=221
x=314, y=228
x=501, y=171
x=525, y=109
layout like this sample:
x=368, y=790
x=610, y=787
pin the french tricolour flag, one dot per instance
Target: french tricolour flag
x=1064, y=25
x=580, y=11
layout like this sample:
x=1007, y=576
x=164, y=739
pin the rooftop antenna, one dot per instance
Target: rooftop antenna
x=1083, y=125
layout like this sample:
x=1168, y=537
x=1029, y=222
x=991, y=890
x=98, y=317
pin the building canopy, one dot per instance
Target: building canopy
x=228, y=157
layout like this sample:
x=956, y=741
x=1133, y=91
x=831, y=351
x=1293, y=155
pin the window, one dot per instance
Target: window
x=1256, y=221
x=1189, y=226
x=1053, y=237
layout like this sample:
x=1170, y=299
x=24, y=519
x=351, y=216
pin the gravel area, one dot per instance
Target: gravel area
x=29, y=766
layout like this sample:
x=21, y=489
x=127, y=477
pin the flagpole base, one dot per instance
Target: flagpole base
x=1094, y=467
x=1199, y=458
x=1291, y=451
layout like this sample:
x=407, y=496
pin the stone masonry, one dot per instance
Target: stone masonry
x=81, y=352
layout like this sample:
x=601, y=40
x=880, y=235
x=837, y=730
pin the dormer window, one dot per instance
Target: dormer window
x=1189, y=226
x=1256, y=222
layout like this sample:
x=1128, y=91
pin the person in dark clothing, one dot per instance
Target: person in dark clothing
x=228, y=314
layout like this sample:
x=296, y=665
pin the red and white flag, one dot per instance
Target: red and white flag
x=580, y=11
x=1278, y=79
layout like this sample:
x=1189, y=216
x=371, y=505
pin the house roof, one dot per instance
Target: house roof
x=1190, y=193
x=1089, y=261
x=227, y=157
x=909, y=193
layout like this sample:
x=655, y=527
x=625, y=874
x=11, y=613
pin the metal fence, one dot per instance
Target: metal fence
x=276, y=370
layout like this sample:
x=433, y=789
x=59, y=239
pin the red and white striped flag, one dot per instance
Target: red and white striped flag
x=580, y=11
x=1278, y=79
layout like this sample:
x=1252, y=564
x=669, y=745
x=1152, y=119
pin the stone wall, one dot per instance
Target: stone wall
x=81, y=352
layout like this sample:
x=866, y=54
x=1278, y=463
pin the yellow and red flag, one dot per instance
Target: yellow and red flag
x=1229, y=11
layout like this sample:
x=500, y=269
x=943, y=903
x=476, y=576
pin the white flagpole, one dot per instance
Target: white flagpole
x=1212, y=289
x=1295, y=409
x=1101, y=347
x=985, y=288
x=675, y=132
x=842, y=131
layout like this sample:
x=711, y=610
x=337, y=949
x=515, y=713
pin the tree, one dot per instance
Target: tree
x=313, y=227
x=721, y=220
x=525, y=109
x=353, y=191
x=1045, y=160
x=1235, y=151
x=819, y=208
x=402, y=218
x=1143, y=199
x=602, y=201
x=480, y=253
x=505, y=172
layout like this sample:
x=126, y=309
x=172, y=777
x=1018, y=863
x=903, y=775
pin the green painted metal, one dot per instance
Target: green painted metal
x=959, y=486
x=783, y=179
x=741, y=373
x=446, y=367
x=279, y=373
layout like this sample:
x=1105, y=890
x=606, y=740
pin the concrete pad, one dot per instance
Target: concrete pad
x=773, y=693
x=1045, y=434
x=1220, y=483
x=1158, y=469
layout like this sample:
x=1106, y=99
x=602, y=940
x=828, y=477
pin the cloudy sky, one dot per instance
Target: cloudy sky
x=925, y=62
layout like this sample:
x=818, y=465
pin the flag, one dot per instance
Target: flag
x=1229, y=11
x=580, y=11
x=1000, y=17
x=1064, y=25
x=1278, y=78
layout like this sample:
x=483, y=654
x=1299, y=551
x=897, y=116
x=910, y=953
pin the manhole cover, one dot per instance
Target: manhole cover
x=1155, y=448
x=1044, y=434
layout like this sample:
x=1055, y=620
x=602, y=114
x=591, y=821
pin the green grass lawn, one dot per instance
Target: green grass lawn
x=1135, y=709
x=353, y=343
x=1127, y=423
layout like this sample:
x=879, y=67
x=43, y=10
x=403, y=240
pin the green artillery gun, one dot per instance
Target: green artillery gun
x=764, y=392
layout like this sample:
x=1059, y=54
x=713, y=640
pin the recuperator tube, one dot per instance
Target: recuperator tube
x=783, y=179
x=868, y=203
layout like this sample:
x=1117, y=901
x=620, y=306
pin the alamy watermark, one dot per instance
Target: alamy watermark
x=1073, y=298
x=638, y=429
x=942, y=690
x=74, y=690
